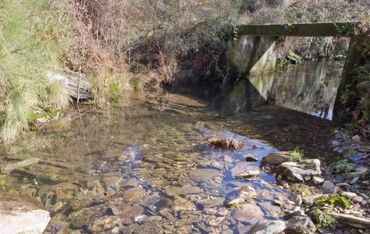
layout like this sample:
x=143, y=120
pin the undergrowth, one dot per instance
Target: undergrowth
x=29, y=47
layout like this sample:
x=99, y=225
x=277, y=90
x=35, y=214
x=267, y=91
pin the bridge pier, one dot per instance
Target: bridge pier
x=358, y=54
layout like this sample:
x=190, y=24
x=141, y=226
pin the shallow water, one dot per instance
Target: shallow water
x=145, y=166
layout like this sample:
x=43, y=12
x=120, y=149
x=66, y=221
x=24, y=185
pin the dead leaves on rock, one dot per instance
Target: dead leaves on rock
x=225, y=143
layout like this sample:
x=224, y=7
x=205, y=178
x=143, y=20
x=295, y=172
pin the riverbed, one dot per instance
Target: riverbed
x=145, y=166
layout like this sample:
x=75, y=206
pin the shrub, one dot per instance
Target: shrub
x=323, y=219
x=343, y=166
x=295, y=156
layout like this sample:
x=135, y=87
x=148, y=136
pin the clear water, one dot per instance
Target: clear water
x=145, y=166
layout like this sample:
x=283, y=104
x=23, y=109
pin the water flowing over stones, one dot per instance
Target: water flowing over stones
x=109, y=177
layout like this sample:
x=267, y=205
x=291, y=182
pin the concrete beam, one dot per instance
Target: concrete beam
x=301, y=30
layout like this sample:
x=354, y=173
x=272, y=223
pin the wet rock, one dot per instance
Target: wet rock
x=211, y=202
x=250, y=158
x=21, y=214
x=245, y=193
x=276, y=158
x=226, y=143
x=149, y=227
x=127, y=221
x=248, y=213
x=300, y=225
x=270, y=227
x=245, y=170
x=132, y=195
x=204, y=228
x=300, y=171
x=328, y=187
x=269, y=209
x=181, y=204
x=185, y=190
x=103, y=224
x=203, y=175
x=112, y=182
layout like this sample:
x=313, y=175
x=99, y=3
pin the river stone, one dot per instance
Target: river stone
x=133, y=195
x=299, y=171
x=300, y=225
x=185, y=190
x=22, y=214
x=248, y=213
x=276, y=158
x=203, y=175
x=328, y=187
x=112, y=182
x=245, y=170
x=181, y=204
x=269, y=227
x=103, y=224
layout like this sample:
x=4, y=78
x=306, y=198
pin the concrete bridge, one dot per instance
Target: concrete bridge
x=253, y=51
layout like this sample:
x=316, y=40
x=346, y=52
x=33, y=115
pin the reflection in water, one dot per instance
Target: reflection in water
x=146, y=168
x=310, y=87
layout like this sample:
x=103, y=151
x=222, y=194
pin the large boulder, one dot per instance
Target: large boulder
x=22, y=214
x=300, y=171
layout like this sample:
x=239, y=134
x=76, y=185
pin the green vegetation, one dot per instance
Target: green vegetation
x=295, y=156
x=323, y=219
x=29, y=48
x=343, y=166
x=334, y=201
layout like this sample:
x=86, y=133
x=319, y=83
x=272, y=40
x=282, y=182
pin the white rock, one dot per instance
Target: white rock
x=24, y=221
x=22, y=214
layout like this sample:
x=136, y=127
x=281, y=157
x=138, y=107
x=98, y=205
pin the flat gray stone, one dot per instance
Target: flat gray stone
x=300, y=171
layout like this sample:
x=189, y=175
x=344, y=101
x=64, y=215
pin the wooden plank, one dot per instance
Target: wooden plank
x=301, y=30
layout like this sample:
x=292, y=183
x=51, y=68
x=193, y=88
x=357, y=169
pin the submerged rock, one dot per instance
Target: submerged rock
x=244, y=170
x=20, y=214
x=248, y=213
x=245, y=193
x=270, y=227
x=203, y=175
x=299, y=171
x=276, y=158
x=300, y=225
x=226, y=143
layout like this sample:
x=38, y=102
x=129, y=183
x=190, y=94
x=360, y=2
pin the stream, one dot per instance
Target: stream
x=145, y=166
